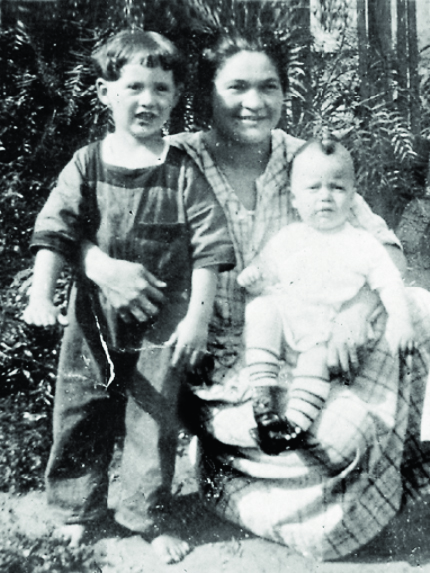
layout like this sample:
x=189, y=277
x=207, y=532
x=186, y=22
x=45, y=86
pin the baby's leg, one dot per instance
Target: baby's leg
x=310, y=387
x=263, y=338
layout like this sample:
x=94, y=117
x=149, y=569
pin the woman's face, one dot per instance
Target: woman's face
x=247, y=98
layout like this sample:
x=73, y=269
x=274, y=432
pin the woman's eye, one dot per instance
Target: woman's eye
x=236, y=87
x=134, y=87
x=272, y=87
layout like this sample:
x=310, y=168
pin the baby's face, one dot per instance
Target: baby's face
x=322, y=187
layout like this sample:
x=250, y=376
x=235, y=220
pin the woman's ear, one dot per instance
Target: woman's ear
x=102, y=91
x=178, y=92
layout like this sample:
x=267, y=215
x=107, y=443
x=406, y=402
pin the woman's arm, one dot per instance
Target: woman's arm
x=132, y=290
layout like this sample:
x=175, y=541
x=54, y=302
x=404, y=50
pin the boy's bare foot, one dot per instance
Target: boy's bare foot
x=73, y=533
x=169, y=548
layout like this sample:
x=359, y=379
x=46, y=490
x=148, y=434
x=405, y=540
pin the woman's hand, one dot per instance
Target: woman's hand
x=351, y=332
x=399, y=334
x=132, y=290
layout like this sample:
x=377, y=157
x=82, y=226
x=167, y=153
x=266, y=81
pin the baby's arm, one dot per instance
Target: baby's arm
x=398, y=331
x=251, y=278
x=41, y=310
x=385, y=279
x=190, y=337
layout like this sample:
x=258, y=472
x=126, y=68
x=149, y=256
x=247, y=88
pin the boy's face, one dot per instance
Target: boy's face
x=141, y=100
x=322, y=188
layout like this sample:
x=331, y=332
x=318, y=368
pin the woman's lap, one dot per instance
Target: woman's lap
x=338, y=494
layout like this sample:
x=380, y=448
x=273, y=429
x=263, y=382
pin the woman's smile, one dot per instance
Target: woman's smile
x=247, y=98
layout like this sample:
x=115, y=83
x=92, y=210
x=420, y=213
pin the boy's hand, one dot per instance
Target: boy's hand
x=43, y=313
x=399, y=334
x=249, y=277
x=190, y=341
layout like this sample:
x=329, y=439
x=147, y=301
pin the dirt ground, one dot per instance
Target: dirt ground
x=221, y=548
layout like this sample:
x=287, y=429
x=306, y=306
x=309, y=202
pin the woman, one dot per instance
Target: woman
x=363, y=453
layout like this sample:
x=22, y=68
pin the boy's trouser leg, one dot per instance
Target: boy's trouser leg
x=149, y=454
x=87, y=420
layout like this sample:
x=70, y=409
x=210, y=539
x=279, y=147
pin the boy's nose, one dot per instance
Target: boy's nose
x=146, y=97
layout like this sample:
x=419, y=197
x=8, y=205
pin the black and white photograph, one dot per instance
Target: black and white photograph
x=180, y=181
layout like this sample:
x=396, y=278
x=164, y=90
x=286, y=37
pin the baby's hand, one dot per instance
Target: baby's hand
x=190, y=340
x=250, y=277
x=399, y=334
x=43, y=313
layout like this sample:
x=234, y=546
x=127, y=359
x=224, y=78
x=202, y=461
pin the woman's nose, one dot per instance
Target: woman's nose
x=252, y=99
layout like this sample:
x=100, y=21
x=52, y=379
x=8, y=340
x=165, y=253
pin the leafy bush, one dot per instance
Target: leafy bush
x=28, y=358
x=48, y=108
x=22, y=554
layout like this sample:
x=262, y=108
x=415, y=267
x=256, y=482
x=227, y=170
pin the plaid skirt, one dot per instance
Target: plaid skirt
x=363, y=459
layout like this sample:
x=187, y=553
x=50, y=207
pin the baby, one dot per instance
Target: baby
x=305, y=273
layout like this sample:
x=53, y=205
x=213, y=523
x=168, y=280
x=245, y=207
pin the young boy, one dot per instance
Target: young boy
x=306, y=273
x=147, y=204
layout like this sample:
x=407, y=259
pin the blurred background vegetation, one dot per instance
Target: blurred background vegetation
x=350, y=66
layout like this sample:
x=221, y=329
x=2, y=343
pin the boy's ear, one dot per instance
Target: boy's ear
x=102, y=90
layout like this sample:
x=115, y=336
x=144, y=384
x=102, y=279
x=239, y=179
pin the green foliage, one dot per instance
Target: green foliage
x=22, y=554
x=28, y=358
x=49, y=108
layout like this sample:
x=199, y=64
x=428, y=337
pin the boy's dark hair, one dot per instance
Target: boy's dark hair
x=156, y=50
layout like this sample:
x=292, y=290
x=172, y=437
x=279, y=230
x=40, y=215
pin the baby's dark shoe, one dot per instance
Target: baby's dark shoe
x=274, y=434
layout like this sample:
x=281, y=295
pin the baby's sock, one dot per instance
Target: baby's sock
x=263, y=366
x=306, y=398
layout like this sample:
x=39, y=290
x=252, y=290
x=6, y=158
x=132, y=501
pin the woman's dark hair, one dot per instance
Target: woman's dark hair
x=226, y=46
x=156, y=50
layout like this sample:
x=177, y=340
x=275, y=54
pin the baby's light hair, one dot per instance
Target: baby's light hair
x=329, y=145
x=120, y=49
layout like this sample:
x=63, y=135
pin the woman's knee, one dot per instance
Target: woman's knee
x=341, y=432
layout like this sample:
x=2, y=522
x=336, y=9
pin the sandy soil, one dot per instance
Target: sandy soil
x=219, y=547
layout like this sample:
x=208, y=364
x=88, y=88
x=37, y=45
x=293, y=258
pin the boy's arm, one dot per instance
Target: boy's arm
x=190, y=337
x=41, y=310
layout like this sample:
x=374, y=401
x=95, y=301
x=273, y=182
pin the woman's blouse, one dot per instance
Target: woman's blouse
x=250, y=230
